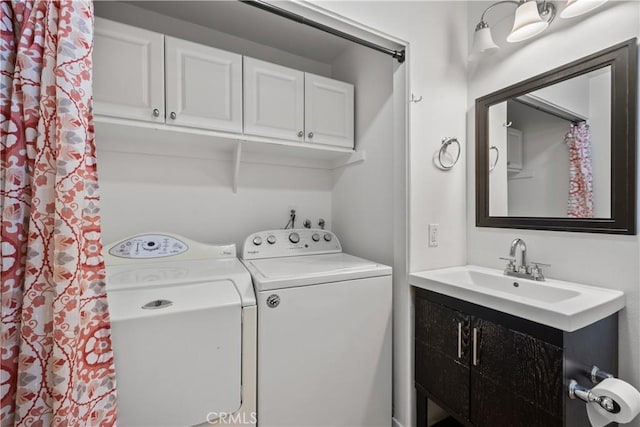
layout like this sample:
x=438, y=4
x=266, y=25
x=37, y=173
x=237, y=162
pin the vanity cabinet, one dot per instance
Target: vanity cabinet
x=128, y=72
x=281, y=102
x=488, y=368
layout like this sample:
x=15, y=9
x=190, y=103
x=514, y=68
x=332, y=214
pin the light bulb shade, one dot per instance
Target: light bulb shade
x=483, y=41
x=579, y=7
x=527, y=22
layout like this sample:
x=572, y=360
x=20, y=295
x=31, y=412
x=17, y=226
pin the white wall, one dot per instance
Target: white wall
x=193, y=197
x=498, y=157
x=570, y=95
x=602, y=260
x=599, y=126
x=361, y=212
x=437, y=72
x=542, y=188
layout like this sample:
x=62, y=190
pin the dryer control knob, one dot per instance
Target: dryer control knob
x=273, y=300
x=257, y=240
x=327, y=237
x=294, y=237
x=271, y=239
x=315, y=237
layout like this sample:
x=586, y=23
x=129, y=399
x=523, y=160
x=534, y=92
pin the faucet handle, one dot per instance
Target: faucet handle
x=536, y=271
x=540, y=264
x=511, y=263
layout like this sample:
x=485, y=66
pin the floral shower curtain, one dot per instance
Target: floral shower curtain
x=57, y=363
x=580, y=204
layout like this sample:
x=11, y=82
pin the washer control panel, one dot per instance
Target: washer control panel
x=292, y=242
x=149, y=246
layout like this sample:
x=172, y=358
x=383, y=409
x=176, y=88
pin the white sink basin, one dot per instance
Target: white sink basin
x=562, y=305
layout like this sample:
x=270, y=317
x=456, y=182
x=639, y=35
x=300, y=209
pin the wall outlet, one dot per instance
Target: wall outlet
x=433, y=235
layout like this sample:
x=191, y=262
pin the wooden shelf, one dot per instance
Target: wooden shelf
x=132, y=136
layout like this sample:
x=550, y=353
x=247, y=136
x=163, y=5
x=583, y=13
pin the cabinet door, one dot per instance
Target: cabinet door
x=515, y=155
x=128, y=72
x=328, y=111
x=203, y=86
x=442, y=356
x=516, y=379
x=273, y=100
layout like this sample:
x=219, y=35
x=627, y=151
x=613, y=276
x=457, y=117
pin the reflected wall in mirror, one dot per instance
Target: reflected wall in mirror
x=557, y=152
x=550, y=152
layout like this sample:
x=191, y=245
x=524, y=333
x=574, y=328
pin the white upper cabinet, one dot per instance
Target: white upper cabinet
x=273, y=100
x=203, y=86
x=143, y=77
x=128, y=72
x=329, y=111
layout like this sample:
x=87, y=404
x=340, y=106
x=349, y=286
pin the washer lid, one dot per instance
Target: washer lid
x=125, y=304
x=142, y=274
x=277, y=273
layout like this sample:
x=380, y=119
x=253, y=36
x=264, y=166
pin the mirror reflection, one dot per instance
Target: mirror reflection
x=550, y=150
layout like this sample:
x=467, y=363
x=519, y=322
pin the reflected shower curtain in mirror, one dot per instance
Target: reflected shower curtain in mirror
x=57, y=363
x=578, y=140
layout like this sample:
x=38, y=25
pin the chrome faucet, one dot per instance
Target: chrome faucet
x=517, y=263
x=518, y=251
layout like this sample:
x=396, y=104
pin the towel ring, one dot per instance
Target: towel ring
x=492, y=166
x=446, y=142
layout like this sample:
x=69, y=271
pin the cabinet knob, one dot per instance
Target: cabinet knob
x=300, y=134
x=172, y=115
x=156, y=112
x=310, y=134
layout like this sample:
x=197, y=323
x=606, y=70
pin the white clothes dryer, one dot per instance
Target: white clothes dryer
x=324, y=331
x=183, y=320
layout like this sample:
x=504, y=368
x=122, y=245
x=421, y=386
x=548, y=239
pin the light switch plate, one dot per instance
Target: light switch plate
x=433, y=235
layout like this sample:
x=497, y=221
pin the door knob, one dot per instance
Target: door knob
x=310, y=134
x=300, y=134
x=172, y=115
x=156, y=112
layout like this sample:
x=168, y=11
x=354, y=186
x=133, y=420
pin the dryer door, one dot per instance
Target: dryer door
x=177, y=352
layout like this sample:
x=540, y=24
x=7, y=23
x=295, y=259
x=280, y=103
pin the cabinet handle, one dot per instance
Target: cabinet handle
x=475, y=347
x=310, y=134
x=156, y=112
x=300, y=134
x=172, y=115
x=459, y=340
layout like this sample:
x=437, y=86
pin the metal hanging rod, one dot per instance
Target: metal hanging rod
x=397, y=54
x=556, y=112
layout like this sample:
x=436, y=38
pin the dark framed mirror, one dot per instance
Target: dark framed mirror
x=558, y=151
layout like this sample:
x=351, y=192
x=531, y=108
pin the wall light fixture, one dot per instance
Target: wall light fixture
x=532, y=17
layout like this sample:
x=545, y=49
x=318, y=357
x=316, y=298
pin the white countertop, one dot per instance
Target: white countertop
x=563, y=305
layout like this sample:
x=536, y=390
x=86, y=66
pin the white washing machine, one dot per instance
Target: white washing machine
x=183, y=320
x=324, y=331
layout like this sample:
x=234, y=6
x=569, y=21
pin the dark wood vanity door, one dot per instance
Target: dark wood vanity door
x=442, y=355
x=516, y=379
